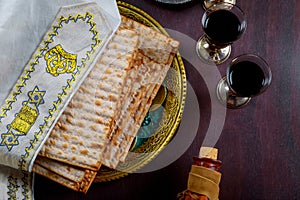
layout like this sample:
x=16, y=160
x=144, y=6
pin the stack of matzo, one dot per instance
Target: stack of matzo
x=100, y=123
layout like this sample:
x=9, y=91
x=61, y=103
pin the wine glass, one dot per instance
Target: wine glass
x=209, y=3
x=247, y=76
x=222, y=23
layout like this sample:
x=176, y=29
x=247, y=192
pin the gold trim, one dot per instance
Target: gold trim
x=159, y=99
x=59, y=61
x=175, y=102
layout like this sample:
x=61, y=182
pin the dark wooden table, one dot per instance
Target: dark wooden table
x=259, y=145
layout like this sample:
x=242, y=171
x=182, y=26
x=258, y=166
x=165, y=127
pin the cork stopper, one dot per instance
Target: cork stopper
x=208, y=152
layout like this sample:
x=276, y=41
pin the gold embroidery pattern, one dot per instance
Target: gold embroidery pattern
x=88, y=18
x=13, y=187
x=96, y=41
x=24, y=119
x=59, y=61
x=18, y=87
x=9, y=139
x=27, y=177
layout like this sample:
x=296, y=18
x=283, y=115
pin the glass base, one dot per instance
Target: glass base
x=211, y=54
x=208, y=3
x=227, y=98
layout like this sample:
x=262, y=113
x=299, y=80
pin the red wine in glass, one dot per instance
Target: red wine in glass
x=222, y=23
x=247, y=76
x=222, y=27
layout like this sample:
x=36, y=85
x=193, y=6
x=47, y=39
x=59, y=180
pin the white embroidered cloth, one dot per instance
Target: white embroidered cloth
x=58, y=43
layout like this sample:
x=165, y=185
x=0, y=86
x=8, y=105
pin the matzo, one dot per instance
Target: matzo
x=155, y=45
x=147, y=85
x=120, y=122
x=157, y=52
x=85, y=126
x=77, y=179
x=135, y=96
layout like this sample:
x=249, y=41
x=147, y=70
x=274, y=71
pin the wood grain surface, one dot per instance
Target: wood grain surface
x=259, y=144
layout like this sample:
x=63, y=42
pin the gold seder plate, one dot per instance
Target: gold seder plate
x=161, y=122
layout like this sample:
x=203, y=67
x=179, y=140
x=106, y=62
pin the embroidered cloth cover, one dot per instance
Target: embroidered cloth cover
x=57, y=42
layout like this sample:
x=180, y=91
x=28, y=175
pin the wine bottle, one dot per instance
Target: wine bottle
x=204, y=177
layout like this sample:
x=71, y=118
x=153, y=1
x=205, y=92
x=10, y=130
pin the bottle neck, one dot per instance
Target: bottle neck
x=208, y=163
